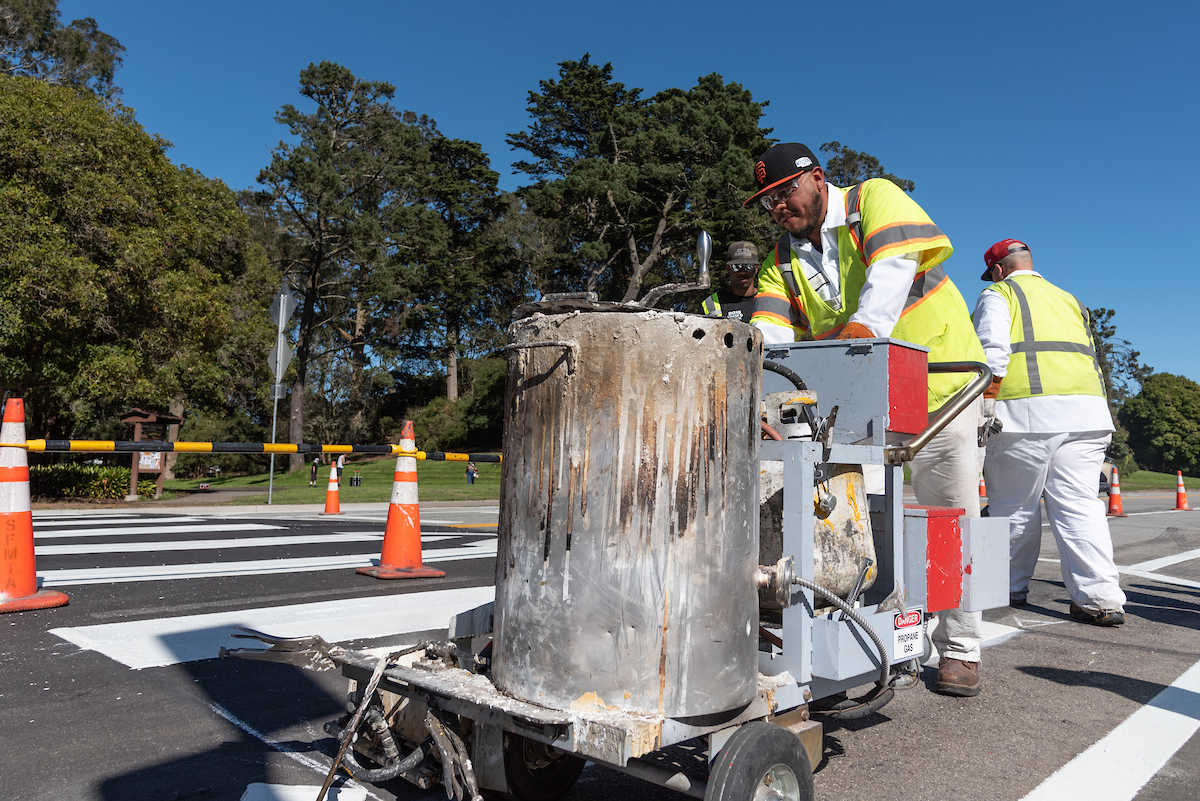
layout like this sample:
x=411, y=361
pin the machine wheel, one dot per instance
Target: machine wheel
x=761, y=762
x=536, y=771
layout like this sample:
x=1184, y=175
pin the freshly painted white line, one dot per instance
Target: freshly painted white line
x=43, y=522
x=1118, y=766
x=126, y=531
x=296, y=792
x=206, y=545
x=1167, y=561
x=117, y=575
x=1177, y=582
x=1133, y=571
x=168, y=641
x=288, y=751
x=991, y=634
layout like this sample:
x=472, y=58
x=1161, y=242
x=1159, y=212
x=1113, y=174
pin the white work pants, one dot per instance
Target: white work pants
x=1063, y=468
x=946, y=473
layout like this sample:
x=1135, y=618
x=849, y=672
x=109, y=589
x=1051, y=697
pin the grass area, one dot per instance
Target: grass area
x=436, y=481
x=1149, y=480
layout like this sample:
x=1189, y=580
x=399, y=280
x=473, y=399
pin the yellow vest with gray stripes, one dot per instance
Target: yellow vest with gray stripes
x=1052, y=348
x=881, y=221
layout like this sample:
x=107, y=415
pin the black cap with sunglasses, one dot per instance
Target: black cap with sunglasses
x=742, y=257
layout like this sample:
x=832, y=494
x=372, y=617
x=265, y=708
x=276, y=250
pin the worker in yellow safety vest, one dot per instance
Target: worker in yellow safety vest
x=1048, y=394
x=865, y=262
x=737, y=302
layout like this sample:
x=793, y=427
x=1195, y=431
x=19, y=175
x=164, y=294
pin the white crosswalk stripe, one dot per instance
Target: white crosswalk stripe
x=122, y=548
x=167, y=641
x=148, y=531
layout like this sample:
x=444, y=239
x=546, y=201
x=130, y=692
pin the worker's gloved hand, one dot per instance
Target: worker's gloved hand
x=856, y=331
x=991, y=423
x=993, y=389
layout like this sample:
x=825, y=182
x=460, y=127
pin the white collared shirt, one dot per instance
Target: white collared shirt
x=884, y=292
x=1040, y=413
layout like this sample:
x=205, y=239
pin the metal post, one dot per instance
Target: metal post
x=279, y=364
x=281, y=309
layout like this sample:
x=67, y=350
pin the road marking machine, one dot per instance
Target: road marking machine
x=669, y=573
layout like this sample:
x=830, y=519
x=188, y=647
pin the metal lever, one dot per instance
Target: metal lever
x=905, y=453
x=703, y=252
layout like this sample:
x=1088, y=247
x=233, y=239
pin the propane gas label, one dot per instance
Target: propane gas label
x=907, y=633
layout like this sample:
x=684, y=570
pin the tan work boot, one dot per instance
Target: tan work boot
x=956, y=677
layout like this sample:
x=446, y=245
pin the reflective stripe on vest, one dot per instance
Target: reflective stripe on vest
x=935, y=314
x=1068, y=375
x=712, y=306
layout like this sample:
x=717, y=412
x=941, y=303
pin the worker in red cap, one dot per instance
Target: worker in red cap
x=1048, y=393
x=866, y=261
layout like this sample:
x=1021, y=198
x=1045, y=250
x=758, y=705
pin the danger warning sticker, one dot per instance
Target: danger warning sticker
x=907, y=634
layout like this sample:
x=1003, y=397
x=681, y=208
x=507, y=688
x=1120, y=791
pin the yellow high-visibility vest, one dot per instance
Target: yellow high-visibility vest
x=1052, y=348
x=881, y=221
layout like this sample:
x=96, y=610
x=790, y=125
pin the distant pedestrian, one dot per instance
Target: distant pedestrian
x=472, y=472
x=341, y=465
x=312, y=476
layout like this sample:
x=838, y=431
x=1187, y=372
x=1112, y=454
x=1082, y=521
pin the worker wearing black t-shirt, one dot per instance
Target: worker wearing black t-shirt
x=737, y=302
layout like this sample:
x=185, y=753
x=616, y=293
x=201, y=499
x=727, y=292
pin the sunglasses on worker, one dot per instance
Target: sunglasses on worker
x=742, y=267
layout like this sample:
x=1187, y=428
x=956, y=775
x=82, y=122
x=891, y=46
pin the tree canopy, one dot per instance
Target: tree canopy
x=34, y=43
x=632, y=181
x=380, y=223
x=845, y=167
x=1164, y=423
x=124, y=277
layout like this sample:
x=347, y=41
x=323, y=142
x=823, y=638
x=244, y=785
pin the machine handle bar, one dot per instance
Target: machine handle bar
x=905, y=453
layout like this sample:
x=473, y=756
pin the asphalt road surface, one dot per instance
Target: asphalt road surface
x=118, y=695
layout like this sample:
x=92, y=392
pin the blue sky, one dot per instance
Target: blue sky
x=1069, y=125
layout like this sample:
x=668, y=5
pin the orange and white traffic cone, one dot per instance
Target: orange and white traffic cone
x=1114, y=496
x=332, y=507
x=1181, y=504
x=401, y=556
x=982, y=488
x=18, y=576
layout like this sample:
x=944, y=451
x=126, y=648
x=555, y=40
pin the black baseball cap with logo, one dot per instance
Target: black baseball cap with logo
x=779, y=164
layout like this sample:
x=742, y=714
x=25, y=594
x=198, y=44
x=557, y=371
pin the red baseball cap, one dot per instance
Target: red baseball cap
x=998, y=251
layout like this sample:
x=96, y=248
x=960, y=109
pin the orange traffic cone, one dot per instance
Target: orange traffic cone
x=331, y=495
x=1114, y=496
x=982, y=488
x=18, y=576
x=1181, y=504
x=401, y=556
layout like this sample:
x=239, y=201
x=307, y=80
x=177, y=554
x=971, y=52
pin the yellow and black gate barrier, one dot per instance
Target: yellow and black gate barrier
x=151, y=446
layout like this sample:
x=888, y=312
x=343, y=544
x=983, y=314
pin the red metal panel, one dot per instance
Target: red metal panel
x=908, y=389
x=943, y=558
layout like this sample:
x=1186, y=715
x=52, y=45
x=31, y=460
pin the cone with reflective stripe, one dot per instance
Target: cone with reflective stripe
x=401, y=556
x=1114, y=496
x=982, y=488
x=332, y=507
x=18, y=576
x=1181, y=504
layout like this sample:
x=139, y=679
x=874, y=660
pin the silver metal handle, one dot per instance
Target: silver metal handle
x=905, y=453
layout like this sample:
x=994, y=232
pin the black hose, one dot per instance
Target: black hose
x=786, y=372
x=375, y=775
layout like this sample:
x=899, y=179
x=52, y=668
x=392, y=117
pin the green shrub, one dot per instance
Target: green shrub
x=84, y=481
